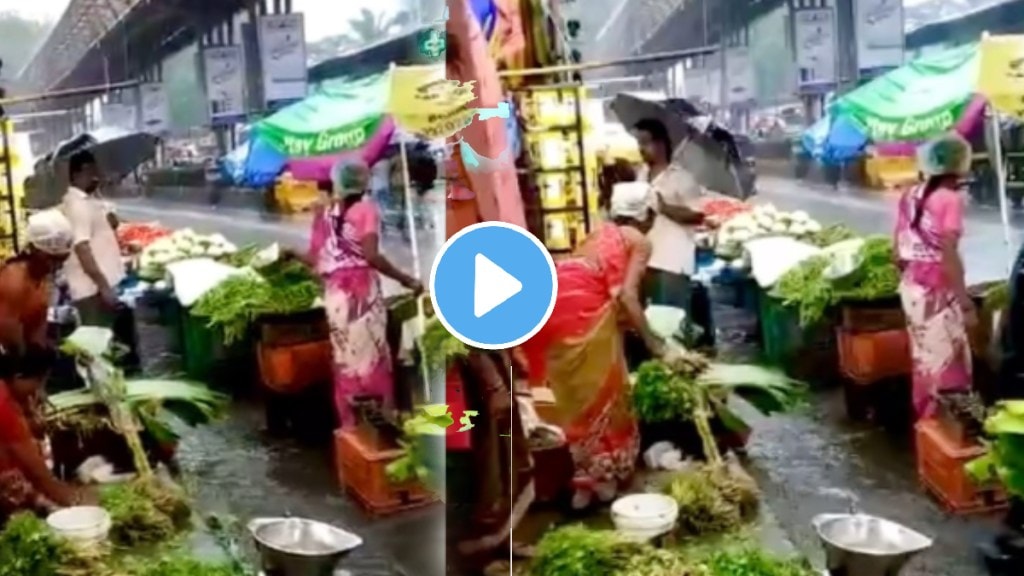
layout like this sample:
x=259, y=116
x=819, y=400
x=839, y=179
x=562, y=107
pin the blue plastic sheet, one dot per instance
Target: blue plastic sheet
x=833, y=140
x=255, y=164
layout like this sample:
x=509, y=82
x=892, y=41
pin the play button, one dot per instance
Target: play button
x=493, y=285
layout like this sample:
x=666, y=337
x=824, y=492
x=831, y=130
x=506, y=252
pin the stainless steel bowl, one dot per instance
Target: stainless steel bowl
x=863, y=545
x=300, y=547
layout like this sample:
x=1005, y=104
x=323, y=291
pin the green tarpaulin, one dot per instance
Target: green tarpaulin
x=916, y=101
x=341, y=116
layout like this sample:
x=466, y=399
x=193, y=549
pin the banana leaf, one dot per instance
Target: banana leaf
x=770, y=391
x=152, y=401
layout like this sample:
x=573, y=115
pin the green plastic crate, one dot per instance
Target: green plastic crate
x=807, y=353
x=201, y=347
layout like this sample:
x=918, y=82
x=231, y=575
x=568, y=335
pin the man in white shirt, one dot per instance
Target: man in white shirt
x=673, y=196
x=95, y=267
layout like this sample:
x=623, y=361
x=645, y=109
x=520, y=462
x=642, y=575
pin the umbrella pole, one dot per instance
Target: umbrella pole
x=410, y=219
x=992, y=121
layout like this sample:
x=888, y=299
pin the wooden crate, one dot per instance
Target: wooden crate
x=940, y=468
x=361, y=467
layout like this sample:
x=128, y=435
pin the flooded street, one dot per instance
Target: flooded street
x=811, y=462
x=239, y=470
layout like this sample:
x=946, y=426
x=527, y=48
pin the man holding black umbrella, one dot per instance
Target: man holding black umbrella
x=674, y=192
x=95, y=268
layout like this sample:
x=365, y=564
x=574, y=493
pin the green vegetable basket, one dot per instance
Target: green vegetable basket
x=807, y=354
x=208, y=359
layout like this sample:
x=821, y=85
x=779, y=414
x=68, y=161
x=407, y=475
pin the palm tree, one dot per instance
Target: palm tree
x=372, y=26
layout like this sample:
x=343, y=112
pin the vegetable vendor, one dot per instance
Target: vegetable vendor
x=936, y=302
x=345, y=250
x=26, y=282
x=95, y=268
x=26, y=482
x=673, y=193
x=580, y=354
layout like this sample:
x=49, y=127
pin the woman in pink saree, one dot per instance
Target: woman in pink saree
x=344, y=248
x=929, y=225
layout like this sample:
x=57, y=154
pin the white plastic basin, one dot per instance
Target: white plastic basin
x=81, y=525
x=644, y=516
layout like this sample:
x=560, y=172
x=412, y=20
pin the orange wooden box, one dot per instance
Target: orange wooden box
x=867, y=357
x=940, y=468
x=294, y=367
x=361, y=471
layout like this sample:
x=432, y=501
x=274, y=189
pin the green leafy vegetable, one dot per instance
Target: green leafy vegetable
x=430, y=420
x=145, y=511
x=662, y=395
x=284, y=287
x=756, y=562
x=181, y=565
x=1004, y=461
x=832, y=234
x=713, y=498
x=438, y=346
x=579, y=551
x=807, y=287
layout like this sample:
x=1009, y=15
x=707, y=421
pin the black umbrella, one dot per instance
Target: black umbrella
x=118, y=152
x=710, y=152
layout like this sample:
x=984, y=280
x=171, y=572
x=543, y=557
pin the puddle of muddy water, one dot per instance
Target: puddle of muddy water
x=816, y=460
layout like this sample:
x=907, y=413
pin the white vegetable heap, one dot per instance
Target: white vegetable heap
x=764, y=220
x=181, y=245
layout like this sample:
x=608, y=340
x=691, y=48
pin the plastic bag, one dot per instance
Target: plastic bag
x=772, y=257
x=845, y=258
x=194, y=278
x=665, y=321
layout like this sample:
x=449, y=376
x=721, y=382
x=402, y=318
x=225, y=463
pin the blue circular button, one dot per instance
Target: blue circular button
x=493, y=285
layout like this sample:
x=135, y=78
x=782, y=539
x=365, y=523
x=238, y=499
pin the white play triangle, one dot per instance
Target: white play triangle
x=492, y=286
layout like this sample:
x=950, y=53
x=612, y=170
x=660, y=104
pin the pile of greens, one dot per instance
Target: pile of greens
x=181, y=565
x=662, y=395
x=713, y=499
x=756, y=562
x=284, y=287
x=579, y=551
x=29, y=548
x=832, y=234
x=687, y=387
x=808, y=288
x=145, y=511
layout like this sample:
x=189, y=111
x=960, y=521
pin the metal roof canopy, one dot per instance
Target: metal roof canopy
x=685, y=27
x=998, y=19
x=134, y=34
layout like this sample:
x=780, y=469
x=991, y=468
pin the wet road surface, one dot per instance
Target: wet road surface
x=811, y=462
x=238, y=470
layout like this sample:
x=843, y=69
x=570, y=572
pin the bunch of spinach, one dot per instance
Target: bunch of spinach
x=662, y=395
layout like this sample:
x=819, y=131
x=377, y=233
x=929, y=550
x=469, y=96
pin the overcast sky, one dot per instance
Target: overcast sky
x=324, y=17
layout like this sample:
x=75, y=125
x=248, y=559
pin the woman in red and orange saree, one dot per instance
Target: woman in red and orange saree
x=579, y=353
